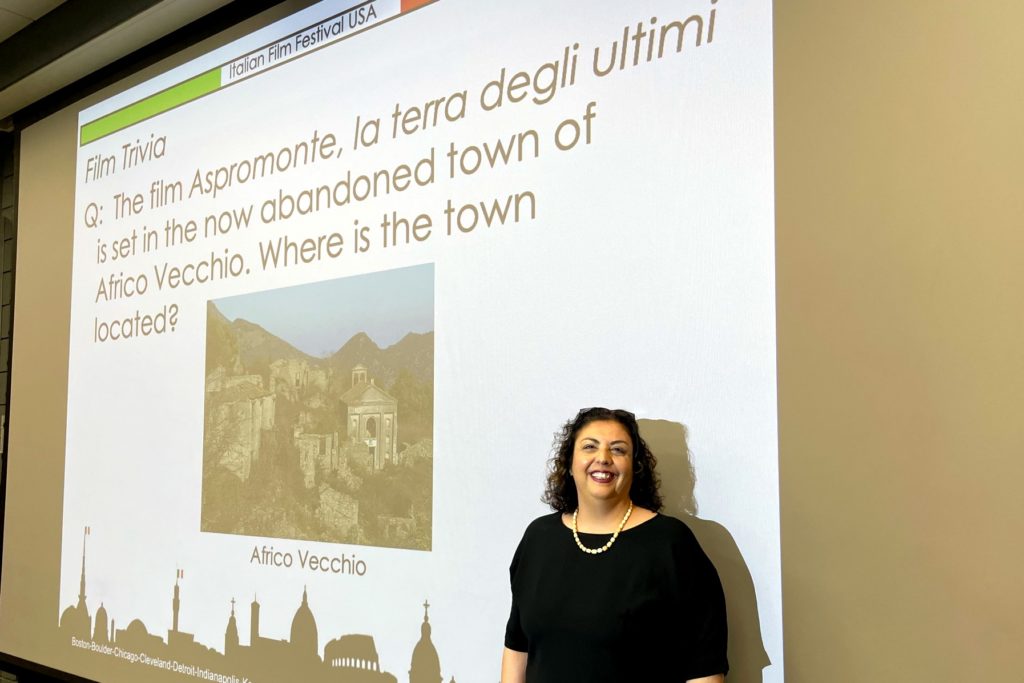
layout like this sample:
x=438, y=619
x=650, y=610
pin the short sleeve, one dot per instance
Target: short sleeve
x=708, y=630
x=515, y=639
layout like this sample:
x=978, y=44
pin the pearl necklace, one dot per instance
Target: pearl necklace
x=596, y=551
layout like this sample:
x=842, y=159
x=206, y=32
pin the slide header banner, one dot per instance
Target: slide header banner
x=335, y=287
x=320, y=34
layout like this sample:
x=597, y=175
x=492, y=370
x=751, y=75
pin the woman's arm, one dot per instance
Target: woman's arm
x=717, y=678
x=513, y=666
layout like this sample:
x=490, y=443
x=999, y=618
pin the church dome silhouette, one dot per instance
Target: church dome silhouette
x=231, y=632
x=425, y=666
x=136, y=627
x=75, y=620
x=99, y=634
x=304, y=637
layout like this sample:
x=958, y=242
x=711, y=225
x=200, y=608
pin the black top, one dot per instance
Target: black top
x=649, y=609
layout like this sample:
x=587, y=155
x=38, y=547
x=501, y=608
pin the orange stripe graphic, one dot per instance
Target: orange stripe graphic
x=409, y=5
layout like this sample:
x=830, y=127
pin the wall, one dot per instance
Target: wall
x=899, y=206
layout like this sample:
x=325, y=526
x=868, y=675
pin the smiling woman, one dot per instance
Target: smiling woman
x=606, y=588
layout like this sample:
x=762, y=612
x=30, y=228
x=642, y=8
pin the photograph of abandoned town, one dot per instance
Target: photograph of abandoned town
x=319, y=411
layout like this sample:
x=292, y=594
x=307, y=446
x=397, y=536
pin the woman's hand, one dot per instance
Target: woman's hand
x=513, y=667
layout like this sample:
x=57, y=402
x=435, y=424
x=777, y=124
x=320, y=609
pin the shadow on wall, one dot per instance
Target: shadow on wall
x=747, y=656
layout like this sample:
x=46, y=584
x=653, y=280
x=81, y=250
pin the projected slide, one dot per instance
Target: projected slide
x=337, y=284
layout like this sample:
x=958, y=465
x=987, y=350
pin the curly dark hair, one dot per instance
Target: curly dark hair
x=560, y=492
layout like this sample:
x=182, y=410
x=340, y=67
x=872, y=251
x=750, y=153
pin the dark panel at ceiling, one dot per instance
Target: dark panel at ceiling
x=60, y=31
x=211, y=24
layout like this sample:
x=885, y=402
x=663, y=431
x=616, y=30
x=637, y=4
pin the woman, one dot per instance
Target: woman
x=606, y=589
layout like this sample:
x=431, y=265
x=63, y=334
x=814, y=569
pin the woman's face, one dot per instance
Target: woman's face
x=602, y=462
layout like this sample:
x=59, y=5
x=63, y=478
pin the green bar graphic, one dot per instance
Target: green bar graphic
x=178, y=94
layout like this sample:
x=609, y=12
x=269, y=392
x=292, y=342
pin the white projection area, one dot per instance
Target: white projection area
x=337, y=284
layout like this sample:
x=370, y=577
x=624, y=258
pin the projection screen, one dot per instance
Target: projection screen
x=334, y=287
